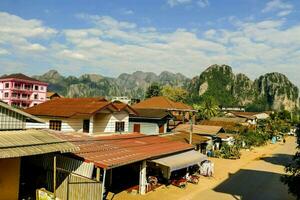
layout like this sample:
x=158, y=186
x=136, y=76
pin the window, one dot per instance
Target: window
x=6, y=85
x=36, y=87
x=6, y=94
x=42, y=88
x=35, y=96
x=55, y=125
x=120, y=127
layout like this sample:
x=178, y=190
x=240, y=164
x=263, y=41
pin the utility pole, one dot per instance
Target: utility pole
x=191, y=128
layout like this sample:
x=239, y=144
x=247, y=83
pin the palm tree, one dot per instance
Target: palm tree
x=207, y=109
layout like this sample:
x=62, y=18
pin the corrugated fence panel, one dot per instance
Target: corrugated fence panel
x=75, y=187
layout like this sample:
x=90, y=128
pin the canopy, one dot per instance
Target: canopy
x=181, y=160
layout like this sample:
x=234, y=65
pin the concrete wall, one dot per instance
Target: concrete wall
x=106, y=122
x=101, y=122
x=9, y=178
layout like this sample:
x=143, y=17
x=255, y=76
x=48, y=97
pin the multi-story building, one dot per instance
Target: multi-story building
x=22, y=91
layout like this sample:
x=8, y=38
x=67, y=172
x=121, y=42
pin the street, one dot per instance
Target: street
x=258, y=179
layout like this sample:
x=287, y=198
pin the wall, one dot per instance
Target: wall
x=103, y=122
x=9, y=178
x=146, y=128
x=106, y=122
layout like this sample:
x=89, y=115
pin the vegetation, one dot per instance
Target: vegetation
x=228, y=152
x=174, y=93
x=153, y=90
x=207, y=109
x=292, y=180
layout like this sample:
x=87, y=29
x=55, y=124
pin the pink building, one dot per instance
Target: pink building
x=22, y=91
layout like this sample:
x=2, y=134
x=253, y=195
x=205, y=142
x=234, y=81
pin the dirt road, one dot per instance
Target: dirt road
x=253, y=177
x=258, y=179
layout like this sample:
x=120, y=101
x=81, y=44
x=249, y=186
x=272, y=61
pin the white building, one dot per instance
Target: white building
x=88, y=115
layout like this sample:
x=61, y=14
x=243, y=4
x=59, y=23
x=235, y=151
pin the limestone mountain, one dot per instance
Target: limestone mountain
x=133, y=85
x=270, y=91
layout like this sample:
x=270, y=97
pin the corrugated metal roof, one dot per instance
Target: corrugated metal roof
x=200, y=129
x=118, y=150
x=185, y=137
x=28, y=116
x=181, y=160
x=31, y=142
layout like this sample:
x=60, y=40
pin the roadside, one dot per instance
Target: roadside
x=258, y=159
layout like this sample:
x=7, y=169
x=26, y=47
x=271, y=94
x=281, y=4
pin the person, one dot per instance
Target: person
x=283, y=140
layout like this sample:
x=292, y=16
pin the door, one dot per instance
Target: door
x=136, y=128
x=86, y=126
x=161, y=128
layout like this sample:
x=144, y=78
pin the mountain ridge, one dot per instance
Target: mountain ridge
x=273, y=89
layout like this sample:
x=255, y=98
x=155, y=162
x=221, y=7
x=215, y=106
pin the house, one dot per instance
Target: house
x=85, y=115
x=243, y=121
x=250, y=117
x=150, y=121
x=229, y=126
x=22, y=91
x=52, y=95
x=162, y=105
x=210, y=132
x=257, y=115
x=17, y=146
x=15, y=119
x=125, y=161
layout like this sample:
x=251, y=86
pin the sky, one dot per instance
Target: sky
x=116, y=36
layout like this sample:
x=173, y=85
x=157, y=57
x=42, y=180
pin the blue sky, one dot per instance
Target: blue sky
x=186, y=36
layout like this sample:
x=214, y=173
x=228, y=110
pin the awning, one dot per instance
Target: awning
x=181, y=160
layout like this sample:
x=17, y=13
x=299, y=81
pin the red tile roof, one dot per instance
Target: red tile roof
x=117, y=150
x=161, y=102
x=21, y=77
x=68, y=107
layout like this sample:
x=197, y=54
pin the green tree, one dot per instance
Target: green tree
x=207, y=109
x=293, y=170
x=153, y=90
x=174, y=93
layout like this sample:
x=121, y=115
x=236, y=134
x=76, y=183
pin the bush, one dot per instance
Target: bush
x=229, y=152
x=255, y=138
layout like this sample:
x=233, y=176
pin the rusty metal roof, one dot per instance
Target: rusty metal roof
x=185, y=137
x=200, y=129
x=117, y=150
x=31, y=142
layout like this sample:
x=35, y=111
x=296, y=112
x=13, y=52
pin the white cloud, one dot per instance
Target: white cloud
x=127, y=11
x=173, y=3
x=283, y=8
x=202, y=3
x=4, y=52
x=199, y=3
x=111, y=46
